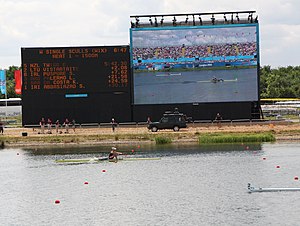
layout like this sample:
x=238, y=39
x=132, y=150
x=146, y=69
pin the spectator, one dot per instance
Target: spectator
x=49, y=125
x=73, y=125
x=113, y=124
x=67, y=124
x=218, y=119
x=57, y=125
x=42, y=124
x=1, y=127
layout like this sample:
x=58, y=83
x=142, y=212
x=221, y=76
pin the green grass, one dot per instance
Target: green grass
x=163, y=140
x=236, y=138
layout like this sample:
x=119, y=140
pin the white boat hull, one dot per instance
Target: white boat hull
x=259, y=189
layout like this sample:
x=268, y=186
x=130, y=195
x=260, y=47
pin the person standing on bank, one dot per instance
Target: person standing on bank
x=66, y=124
x=218, y=119
x=57, y=125
x=42, y=124
x=1, y=127
x=148, y=120
x=113, y=124
x=49, y=125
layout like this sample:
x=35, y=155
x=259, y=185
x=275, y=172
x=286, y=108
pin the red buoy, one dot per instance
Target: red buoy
x=264, y=158
x=277, y=167
x=57, y=201
x=103, y=171
x=247, y=147
x=18, y=153
x=139, y=146
x=86, y=182
x=132, y=150
x=296, y=178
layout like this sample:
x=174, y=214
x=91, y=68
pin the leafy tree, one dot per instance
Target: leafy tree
x=283, y=82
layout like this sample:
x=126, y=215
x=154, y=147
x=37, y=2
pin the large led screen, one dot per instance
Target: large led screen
x=199, y=64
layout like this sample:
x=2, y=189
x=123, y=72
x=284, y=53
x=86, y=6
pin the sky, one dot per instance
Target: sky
x=57, y=23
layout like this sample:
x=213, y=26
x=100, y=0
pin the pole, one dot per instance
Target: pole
x=5, y=96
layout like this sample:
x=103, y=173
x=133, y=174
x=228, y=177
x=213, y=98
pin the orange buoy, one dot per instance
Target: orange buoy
x=86, y=182
x=57, y=201
x=296, y=178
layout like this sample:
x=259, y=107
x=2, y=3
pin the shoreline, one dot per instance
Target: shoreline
x=29, y=137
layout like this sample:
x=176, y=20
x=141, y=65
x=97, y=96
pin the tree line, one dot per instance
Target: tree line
x=282, y=82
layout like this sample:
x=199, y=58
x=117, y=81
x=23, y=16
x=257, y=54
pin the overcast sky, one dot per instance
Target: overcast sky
x=45, y=23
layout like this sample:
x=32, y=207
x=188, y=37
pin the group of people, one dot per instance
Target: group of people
x=66, y=124
x=200, y=51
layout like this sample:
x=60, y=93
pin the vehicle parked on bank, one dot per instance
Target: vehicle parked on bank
x=170, y=120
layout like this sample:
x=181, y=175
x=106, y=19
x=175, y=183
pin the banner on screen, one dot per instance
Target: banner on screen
x=2, y=82
x=18, y=81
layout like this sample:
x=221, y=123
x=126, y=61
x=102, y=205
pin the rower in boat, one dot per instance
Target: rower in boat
x=215, y=80
x=113, y=155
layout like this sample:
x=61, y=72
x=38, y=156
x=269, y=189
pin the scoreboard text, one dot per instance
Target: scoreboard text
x=76, y=69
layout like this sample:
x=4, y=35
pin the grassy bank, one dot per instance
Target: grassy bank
x=236, y=137
x=96, y=138
x=157, y=138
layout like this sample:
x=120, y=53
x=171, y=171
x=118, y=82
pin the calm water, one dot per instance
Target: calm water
x=190, y=185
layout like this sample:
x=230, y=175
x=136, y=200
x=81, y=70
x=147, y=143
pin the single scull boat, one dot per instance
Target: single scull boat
x=253, y=189
x=95, y=160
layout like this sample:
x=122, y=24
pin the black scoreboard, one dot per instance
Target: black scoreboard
x=87, y=84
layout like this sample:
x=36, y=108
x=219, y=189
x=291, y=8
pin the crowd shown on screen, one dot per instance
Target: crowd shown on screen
x=175, y=52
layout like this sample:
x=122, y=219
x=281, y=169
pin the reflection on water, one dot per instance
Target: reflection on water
x=146, y=149
x=190, y=185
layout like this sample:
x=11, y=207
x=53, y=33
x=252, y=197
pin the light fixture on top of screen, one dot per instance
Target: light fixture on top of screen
x=132, y=24
x=232, y=19
x=200, y=20
x=150, y=21
x=155, y=22
x=225, y=18
x=237, y=17
x=162, y=21
x=250, y=18
x=174, y=21
x=213, y=19
x=137, y=22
